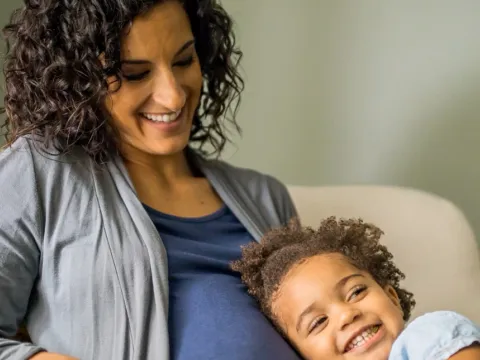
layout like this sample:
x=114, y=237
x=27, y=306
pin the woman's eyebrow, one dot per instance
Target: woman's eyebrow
x=184, y=47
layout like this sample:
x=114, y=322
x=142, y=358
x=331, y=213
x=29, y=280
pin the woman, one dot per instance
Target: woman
x=110, y=106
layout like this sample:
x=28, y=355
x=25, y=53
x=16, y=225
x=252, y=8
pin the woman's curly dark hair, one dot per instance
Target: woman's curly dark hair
x=56, y=83
x=264, y=265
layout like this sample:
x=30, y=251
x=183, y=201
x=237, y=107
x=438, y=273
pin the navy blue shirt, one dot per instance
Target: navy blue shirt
x=211, y=315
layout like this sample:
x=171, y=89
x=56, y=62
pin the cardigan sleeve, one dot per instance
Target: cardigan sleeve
x=20, y=241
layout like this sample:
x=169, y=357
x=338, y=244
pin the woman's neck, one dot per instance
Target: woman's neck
x=167, y=169
x=171, y=184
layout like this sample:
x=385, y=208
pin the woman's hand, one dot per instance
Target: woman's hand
x=51, y=356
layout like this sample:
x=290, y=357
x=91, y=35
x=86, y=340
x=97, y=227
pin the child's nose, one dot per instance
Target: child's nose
x=347, y=316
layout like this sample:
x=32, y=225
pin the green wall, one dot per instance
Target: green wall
x=360, y=92
x=363, y=92
x=6, y=8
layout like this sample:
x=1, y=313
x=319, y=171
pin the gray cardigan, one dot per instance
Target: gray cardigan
x=81, y=261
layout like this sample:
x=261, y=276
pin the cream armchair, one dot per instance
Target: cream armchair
x=429, y=237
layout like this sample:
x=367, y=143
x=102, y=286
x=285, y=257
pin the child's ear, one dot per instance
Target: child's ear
x=392, y=294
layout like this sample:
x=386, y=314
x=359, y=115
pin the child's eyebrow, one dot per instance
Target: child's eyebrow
x=311, y=307
x=303, y=315
x=343, y=281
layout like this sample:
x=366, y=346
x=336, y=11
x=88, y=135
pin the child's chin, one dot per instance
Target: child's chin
x=380, y=352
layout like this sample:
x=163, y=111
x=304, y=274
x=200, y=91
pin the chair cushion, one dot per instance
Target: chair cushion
x=430, y=238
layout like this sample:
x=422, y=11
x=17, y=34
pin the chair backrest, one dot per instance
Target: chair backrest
x=430, y=238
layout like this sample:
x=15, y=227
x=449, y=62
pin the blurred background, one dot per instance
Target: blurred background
x=360, y=92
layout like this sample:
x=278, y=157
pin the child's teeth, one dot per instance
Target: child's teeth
x=363, y=337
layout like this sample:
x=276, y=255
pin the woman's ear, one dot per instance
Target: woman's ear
x=393, y=296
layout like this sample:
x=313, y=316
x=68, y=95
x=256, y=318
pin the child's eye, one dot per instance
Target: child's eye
x=357, y=291
x=316, y=323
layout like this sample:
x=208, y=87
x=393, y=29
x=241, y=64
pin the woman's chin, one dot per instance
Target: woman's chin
x=149, y=147
x=167, y=148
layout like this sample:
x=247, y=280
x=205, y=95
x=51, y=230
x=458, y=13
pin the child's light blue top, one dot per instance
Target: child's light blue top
x=435, y=336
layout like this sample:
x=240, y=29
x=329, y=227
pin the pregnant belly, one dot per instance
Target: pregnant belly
x=212, y=317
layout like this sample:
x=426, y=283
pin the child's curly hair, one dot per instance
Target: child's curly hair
x=264, y=265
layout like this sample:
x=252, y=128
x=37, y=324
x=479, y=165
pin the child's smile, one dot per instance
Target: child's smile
x=332, y=310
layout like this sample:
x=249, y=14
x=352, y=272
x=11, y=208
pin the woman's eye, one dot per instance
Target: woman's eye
x=316, y=323
x=185, y=62
x=136, y=77
x=357, y=291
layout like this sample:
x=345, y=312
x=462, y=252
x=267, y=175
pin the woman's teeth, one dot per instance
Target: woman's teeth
x=362, y=338
x=166, y=118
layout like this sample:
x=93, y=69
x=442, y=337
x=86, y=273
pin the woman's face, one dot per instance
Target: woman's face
x=161, y=83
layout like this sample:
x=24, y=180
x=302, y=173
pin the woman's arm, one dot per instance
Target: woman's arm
x=470, y=353
x=21, y=222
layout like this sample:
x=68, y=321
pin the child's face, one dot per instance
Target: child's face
x=331, y=310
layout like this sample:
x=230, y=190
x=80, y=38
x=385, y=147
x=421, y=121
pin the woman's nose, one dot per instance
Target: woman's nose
x=167, y=92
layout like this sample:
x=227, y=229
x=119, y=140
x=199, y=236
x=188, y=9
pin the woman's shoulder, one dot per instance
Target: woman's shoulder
x=25, y=164
x=244, y=177
x=255, y=190
x=27, y=149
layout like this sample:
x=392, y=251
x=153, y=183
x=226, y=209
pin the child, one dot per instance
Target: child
x=335, y=293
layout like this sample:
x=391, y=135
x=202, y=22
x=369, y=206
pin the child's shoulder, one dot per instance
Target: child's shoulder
x=435, y=335
x=450, y=319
